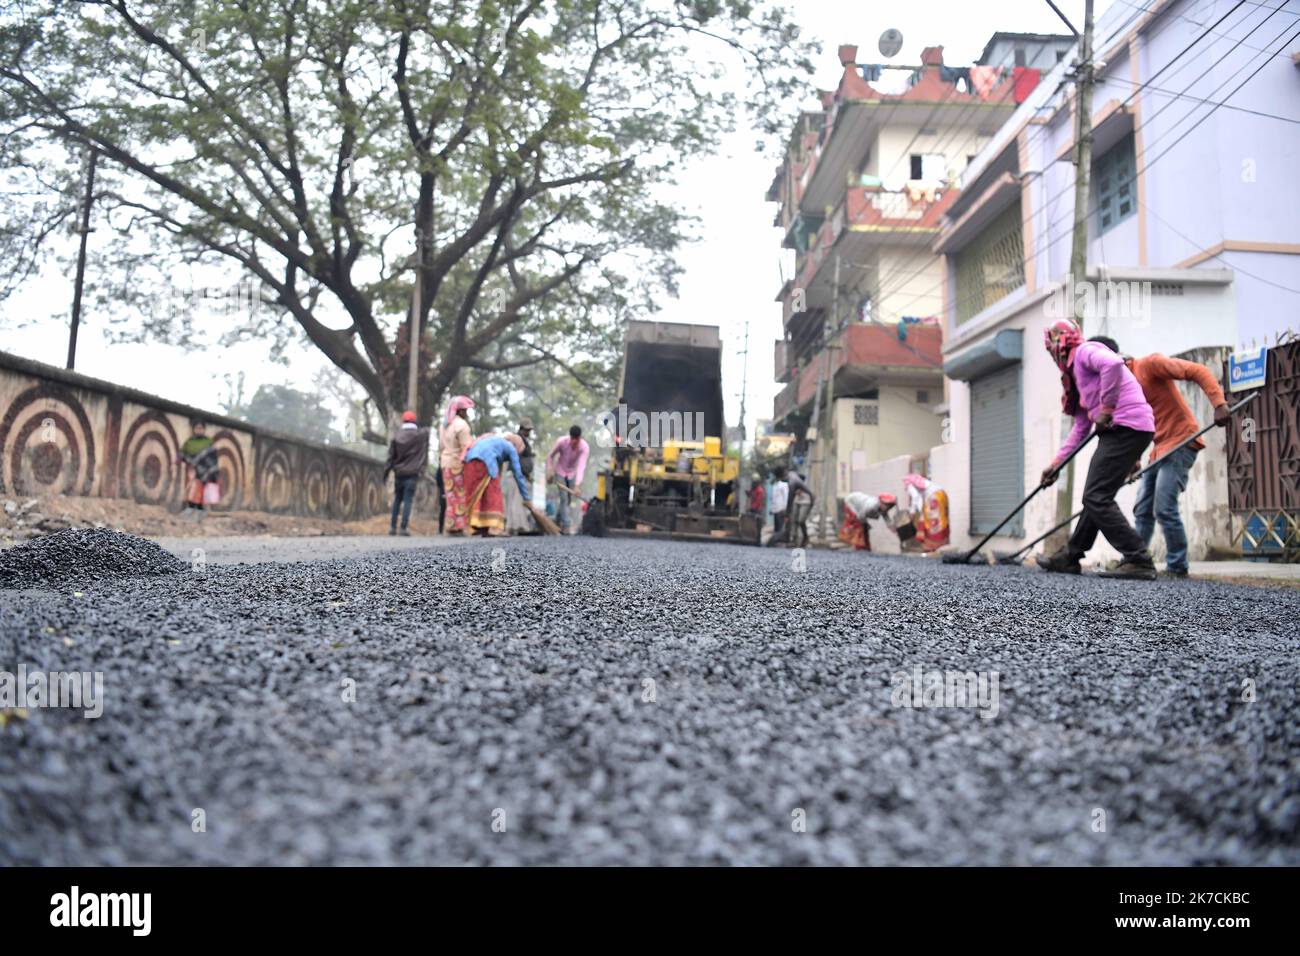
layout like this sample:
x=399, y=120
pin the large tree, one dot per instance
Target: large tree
x=514, y=154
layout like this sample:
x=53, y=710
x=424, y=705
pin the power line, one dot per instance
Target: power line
x=1147, y=150
x=1043, y=132
x=1147, y=120
x=884, y=278
x=1215, y=255
x=1188, y=19
x=1196, y=99
x=1053, y=240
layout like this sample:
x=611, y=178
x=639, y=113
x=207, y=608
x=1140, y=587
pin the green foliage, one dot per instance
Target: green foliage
x=763, y=464
x=311, y=143
x=289, y=410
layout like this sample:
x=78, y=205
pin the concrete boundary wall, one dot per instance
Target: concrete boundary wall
x=66, y=433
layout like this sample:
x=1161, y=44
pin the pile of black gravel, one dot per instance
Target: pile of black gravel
x=83, y=555
x=582, y=701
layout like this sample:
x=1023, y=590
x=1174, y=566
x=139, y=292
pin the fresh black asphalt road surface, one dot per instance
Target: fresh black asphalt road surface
x=602, y=701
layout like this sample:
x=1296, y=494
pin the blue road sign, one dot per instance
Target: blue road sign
x=1246, y=369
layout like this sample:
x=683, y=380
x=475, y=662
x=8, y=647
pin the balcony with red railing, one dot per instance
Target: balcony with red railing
x=857, y=110
x=866, y=217
x=863, y=353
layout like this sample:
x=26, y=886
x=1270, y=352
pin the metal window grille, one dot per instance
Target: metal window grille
x=992, y=266
x=866, y=414
x=1114, y=184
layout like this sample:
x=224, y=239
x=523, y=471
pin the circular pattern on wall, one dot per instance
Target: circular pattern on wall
x=275, y=478
x=231, y=456
x=47, y=442
x=347, y=494
x=374, y=499
x=148, y=471
x=315, y=492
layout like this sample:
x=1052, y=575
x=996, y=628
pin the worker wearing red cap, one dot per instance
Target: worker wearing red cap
x=408, y=456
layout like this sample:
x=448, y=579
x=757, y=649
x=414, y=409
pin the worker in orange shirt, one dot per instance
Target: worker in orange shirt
x=1160, y=488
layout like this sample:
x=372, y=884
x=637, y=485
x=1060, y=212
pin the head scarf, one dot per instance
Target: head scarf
x=456, y=404
x=408, y=416
x=913, y=480
x=1061, y=338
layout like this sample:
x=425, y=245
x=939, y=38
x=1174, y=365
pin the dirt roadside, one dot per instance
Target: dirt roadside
x=23, y=517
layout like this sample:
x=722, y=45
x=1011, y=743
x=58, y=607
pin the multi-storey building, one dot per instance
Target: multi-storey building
x=861, y=192
x=1192, y=247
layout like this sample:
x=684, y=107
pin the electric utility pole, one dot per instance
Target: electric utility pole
x=81, y=258
x=1079, y=246
x=744, y=386
x=826, y=429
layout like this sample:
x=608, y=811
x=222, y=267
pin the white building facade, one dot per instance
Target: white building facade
x=1194, y=247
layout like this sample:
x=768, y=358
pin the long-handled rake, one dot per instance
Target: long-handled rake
x=965, y=557
x=1019, y=556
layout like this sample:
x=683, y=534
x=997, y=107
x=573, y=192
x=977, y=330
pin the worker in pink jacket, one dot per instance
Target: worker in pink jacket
x=567, y=463
x=1099, y=390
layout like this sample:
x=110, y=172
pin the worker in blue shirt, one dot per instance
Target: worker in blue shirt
x=483, y=460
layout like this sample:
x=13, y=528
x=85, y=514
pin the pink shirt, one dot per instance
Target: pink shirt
x=570, y=458
x=1105, y=385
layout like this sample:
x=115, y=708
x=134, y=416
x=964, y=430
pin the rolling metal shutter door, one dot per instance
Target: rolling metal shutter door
x=997, y=470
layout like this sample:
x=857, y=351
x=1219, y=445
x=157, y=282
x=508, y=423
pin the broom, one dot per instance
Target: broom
x=963, y=557
x=546, y=524
x=1017, y=556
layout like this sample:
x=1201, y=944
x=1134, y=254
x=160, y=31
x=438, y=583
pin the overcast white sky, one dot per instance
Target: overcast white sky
x=731, y=275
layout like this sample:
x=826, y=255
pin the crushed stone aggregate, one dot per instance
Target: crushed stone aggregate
x=509, y=682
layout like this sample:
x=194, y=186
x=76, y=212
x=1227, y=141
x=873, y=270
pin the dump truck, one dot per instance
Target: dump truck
x=668, y=472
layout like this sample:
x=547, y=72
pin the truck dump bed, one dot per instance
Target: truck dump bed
x=674, y=367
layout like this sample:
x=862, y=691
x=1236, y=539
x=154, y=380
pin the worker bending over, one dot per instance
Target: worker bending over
x=1161, y=487
x=859, y=508
x=1099, y=390
x=483, y=474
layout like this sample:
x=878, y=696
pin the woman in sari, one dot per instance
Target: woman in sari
x=483, y=480
x=200, y=455
x=859, y=508
x=454, y=440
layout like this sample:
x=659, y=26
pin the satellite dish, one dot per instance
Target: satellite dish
x=891, y=41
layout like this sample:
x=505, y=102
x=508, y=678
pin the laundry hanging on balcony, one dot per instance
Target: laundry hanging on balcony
x=919, y=190
x=1024, y=79
x=907, y=320
x=952, y=74
x=984, y=78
